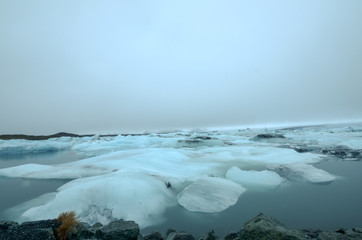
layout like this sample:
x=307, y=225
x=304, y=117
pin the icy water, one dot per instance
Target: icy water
x=297, y=205
x=15, y=191
x=306, y=177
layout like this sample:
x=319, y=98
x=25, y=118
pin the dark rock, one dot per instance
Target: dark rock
x=97, y=225
x=5, y=225
x=232, y=236
x=183, y=236
x=269, y=135
x=209, y=236
x=301, y=150
x=341, y=230
x=82, y=231
x=354, y=233
x=153, y=236
x=6, y=228
x=267, y=228
x=190, y=141
x=204, y=137
x=312, y=234
x=332, y=236
x=120, y=230
x=173, y=235
x=44, y=229
x=170, y=234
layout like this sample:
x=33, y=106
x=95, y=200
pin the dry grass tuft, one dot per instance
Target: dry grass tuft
x=69, y=221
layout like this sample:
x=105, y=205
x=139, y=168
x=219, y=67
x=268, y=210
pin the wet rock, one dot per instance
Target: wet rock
x=269, y=135
x=332, y=236
x=6, y=228
x=173, y=235
x=232, y=236
x=120, y=230
x=82, y=231
x=209, y=236
x=44, y=229
x=153, y=236
x=97, y=225
x=267, y=228
x=342, y=152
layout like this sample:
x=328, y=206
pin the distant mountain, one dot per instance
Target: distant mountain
x=39, y=137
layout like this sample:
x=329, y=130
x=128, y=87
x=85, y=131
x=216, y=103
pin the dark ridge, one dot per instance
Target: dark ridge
x=58, y=135
x=39, y=137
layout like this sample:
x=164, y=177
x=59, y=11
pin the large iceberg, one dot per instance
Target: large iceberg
x=128, y=195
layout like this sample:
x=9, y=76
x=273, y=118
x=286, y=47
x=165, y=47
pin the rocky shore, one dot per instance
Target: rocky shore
x=260, y=227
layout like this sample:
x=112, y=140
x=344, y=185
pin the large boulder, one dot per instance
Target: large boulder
x=119, y=230
x=153, y=236
x=173, y=235
x=82, y=231
x=267, y=228
x=29, y=230
x=209, y=236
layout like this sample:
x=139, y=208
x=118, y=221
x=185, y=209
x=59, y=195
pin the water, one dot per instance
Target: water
x=15, y=191
x=296, y=204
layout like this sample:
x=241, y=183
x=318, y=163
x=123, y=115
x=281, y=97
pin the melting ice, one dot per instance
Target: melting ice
x=139, y=177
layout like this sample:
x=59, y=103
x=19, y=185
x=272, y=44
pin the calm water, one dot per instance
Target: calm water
x=297, y=205
x=17, y=190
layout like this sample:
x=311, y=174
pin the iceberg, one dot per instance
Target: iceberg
x=252, y=178
x=128, y=195
x=138, y=177
x=303, y=172
x=210, y=195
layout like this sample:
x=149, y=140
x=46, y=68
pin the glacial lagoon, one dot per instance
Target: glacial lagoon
x=307, y=177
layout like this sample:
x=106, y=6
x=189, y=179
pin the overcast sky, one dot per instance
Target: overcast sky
x=111, y=66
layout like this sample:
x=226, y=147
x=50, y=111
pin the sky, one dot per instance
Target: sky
x=110, y=66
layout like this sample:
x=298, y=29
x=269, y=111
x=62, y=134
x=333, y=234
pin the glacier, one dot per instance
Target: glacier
x=138, y=177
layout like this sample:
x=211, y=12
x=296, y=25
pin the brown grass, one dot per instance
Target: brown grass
x=69, y=221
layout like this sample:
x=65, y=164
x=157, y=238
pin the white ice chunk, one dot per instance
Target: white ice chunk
x=210, y=195
x=303, y=172
x=253, y=178
x=126, y=195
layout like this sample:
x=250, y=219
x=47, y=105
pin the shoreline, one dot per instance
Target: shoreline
x=261, y=227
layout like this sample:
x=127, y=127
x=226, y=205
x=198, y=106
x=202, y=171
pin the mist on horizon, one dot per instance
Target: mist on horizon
x=115, y=66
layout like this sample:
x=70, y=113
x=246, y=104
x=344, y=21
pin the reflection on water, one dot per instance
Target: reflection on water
x=17, y=190
x=49, y=158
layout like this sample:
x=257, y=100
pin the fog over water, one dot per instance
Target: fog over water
x=111, y=66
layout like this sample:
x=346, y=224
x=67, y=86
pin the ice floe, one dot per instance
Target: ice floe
x=128, y=195
x=252, y=178
x=210, y=195
x=303, y=172
x=139, y=176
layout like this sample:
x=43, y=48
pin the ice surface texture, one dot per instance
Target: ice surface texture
x=139, y=177
x=254, y=178
x=210, y=195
